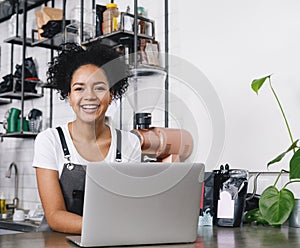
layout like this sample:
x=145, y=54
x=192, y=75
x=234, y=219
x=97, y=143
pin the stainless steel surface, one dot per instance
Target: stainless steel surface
x=24, y=226
x=6, y=231
x=249, y=236
x=209, y=237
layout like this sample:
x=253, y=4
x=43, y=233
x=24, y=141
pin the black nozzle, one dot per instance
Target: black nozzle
x=142, y=120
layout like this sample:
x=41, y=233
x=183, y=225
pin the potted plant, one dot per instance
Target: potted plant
x=276, y=205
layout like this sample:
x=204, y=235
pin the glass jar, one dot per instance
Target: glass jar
x=73, y=30
x=110, y=18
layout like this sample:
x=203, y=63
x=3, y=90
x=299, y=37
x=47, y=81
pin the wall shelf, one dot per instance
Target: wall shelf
x=52, y=43
x=144, y=70
x=18, y=95
x=18, y=135
x=117, y=37
x=16, y=92
x=4, y=101
x=112, y=39
x=45, y=43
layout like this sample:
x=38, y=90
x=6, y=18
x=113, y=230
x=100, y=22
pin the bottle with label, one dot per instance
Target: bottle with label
x=127, y=20
x=141, y=23
x=2, y=206
x=110, y=18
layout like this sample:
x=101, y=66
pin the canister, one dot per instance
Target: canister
x=110, y=21
x=294, y=219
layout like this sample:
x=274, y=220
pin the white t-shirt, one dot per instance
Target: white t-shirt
x=48, y=151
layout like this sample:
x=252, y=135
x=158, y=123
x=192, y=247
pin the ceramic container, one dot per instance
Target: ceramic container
x=294, y=220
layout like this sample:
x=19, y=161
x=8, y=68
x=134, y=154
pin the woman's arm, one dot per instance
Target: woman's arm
x=58, y=218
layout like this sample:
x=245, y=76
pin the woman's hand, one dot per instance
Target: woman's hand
x=58, y=218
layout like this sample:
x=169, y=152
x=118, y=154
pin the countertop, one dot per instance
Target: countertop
x=219, y=237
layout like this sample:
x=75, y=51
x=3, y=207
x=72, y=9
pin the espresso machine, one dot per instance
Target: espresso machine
x=160, y=144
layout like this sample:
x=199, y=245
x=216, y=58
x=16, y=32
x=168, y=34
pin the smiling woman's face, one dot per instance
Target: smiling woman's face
x=89, y=95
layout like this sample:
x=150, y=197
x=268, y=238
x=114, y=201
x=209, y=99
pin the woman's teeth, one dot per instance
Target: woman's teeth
x=90, y=106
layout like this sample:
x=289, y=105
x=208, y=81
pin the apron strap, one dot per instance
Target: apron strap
x=67, y=153
x=63, y=143
x=119, y=145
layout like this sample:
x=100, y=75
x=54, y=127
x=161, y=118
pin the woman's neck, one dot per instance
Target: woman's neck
x=82, y=131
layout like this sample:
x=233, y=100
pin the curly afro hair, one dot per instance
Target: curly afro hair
x=71, y=56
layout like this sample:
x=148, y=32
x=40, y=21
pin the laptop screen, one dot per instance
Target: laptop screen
x=142, y=203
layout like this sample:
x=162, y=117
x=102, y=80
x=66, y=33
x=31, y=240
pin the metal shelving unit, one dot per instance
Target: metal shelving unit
x=22, y=7
x=136, y=66
x=138, y=70
x=115, y=38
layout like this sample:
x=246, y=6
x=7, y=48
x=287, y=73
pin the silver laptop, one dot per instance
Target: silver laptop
x=142, y=203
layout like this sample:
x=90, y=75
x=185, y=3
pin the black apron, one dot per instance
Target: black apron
x=72, y=179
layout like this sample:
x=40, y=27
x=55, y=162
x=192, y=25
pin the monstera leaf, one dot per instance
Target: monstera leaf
x=295, y=165
x=254, y=215
x=257, y=83
x=281, y=156
x=276, y=206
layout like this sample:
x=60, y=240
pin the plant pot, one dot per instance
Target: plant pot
x=294, y=220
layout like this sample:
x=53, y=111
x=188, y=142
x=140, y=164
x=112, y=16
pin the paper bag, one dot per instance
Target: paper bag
x=46, y=15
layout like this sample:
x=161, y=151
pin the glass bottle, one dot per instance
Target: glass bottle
x=128, y=20
x=141, y=23
x=88, y=31
x=2, y=205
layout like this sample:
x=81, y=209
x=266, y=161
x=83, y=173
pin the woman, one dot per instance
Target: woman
x=90, y=79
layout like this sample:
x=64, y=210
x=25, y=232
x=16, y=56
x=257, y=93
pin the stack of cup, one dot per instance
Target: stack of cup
x=12, y=120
